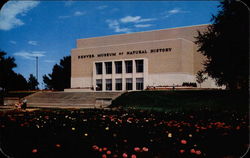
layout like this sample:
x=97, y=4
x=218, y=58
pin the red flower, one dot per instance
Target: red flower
x=183, y=141
x=192, y=151
x=182, y=151
x=34, y=151
x=104, y=148
x=108, y=152
x=104, y=156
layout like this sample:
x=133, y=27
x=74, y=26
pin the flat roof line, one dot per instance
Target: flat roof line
x=170, y=39
x=143, y=31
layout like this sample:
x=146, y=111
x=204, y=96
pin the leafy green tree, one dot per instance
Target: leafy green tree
x=59, y=79
x=18, y=82
x=9, y=80
x=226, y=45
x=32, y=83
x=6, y=70
x=200, y=78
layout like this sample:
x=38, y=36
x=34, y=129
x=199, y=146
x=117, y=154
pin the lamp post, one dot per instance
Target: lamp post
x=37, y=68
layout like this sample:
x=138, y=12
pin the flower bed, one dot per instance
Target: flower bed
x=124, y=133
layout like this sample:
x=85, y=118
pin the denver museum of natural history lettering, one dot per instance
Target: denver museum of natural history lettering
x=136, y=61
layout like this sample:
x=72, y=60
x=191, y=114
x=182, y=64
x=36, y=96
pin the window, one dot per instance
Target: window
x=129, y=66
x=108, y=66
x=99, y=85
x=109, y=84
x=98, y=67
x=139, y=65
x=129, y=84
x=118, y=67
x=118, y=84
x=139, y=83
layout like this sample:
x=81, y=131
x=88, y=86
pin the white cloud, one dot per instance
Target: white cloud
x=135, y=19
x=10, y=11
x=13, y=42
x=130, y=19
x=49, y=61
x=114, y=24
x=143, y=25
x=30, y=55
x=33, y=43
x=78, y=13
x=146, y=20
x=101, y=7
x=174, y=11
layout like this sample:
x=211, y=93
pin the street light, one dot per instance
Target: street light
x=37, y=68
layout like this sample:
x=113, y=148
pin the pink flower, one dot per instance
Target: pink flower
x=34, y=151
x=137, y=149
x=145, y=149
x=198, y=152
x=133, y=156
x=104, y=156
x=95, y=147
x=124, y=155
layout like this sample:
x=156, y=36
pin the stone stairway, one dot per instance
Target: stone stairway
x=71, y=99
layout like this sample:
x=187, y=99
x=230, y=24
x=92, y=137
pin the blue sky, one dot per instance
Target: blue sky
x=49, y=29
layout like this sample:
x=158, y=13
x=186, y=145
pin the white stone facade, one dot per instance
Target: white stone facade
x=169, y=57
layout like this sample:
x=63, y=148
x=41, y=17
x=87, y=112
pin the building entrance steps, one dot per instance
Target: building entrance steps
x=72, y=99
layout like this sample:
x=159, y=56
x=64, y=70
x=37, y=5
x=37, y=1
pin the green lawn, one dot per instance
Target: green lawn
x=183, y=100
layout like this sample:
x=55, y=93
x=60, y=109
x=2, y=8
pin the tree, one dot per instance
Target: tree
x=226, y=46
x=9, y=80
x=32, y=83
x=200, y=78
x=6, y=72
x=60, y=77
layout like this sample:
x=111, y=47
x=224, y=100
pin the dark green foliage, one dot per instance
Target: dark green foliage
x=60, y=77
x=182, y=100
x=189, y=84
x=9, y=80
x=200, y=77
x=226, y=45
x=6, y=72
x=32, y=83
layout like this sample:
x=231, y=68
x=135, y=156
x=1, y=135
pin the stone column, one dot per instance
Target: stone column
x=133, y=75
x=113, y=76
x=123, y=76
x=94, y=77
x=103, y=77
x=145, y=73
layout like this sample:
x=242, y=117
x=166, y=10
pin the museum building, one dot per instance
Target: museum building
x=136, y=61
